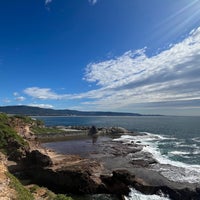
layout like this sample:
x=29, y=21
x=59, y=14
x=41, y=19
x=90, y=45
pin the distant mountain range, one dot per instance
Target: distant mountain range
x=36, y=111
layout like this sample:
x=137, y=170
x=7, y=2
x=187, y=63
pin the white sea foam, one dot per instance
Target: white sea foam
x=179, y=153
x=136, y=195
x=196, y=152
x=173, y=170
x=144, y=137
x=196, y=139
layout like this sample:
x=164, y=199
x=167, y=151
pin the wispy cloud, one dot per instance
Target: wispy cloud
x=48, y=2
x=42, y=93
x=93, y=2
x=135, y=79
x=6, y=100
x=15, y=94
x=21, y=98
x=41, y=105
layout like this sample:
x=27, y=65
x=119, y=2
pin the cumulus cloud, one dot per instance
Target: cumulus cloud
x=41, y=105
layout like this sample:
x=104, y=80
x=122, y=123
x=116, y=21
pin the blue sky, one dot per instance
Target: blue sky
x=107, y=55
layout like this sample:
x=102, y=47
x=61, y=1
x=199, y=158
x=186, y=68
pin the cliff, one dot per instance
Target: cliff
x=17, y=145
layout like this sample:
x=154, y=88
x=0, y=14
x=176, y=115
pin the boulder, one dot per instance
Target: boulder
x=118, y=183
x=36, y=158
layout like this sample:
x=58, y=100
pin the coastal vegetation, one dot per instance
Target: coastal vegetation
x=11, y=143
x=46, y=130
x=21, y=192
x=46, y=193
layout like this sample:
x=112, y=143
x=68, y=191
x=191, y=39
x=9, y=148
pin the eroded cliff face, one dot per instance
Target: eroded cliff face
x=22, y=125
x=6, y=191
x=62, y=173
x=12, y=147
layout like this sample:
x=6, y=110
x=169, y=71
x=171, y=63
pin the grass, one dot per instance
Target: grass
x=62, y=197
x=9, y=140
x=45, y=130
x=28, y=120
x=48, y=194
x=22, y=192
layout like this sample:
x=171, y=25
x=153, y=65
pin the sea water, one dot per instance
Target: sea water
x=170, y=139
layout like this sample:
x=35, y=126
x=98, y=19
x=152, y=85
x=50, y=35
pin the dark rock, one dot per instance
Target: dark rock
x=118, y=183
x=143, y=163
x=124, y=176
x=113, y=131
x=37, y=158
x=92, y=131
x=66, y=180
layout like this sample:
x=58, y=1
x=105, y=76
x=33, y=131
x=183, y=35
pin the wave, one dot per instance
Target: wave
x=196, y=139
x=136, y=195
x=179, y=153
x=172, y=170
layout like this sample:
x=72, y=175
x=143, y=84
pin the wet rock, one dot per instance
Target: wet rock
x=113, y=131
x=118, y=183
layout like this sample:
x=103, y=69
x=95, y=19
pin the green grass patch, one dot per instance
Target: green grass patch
x=45, y=130
x=62, y=197
x=22, y=192
x=11, y=143
x=34, y=189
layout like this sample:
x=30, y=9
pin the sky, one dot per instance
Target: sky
x=140, y=56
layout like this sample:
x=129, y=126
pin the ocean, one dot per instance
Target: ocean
x=170, y=139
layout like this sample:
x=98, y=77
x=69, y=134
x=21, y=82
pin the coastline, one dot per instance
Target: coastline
x=113, y=168
x=115, y=156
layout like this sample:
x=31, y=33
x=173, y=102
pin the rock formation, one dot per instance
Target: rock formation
x=110, y=170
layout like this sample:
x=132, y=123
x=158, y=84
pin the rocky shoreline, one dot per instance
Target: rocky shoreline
x=113, y=169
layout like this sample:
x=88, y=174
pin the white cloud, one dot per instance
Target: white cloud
x=21, y=98
x=93, y=2
x=6, y=100
x=42, y=93
x=134, y=79
x=15, y=94
x=41, y=105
